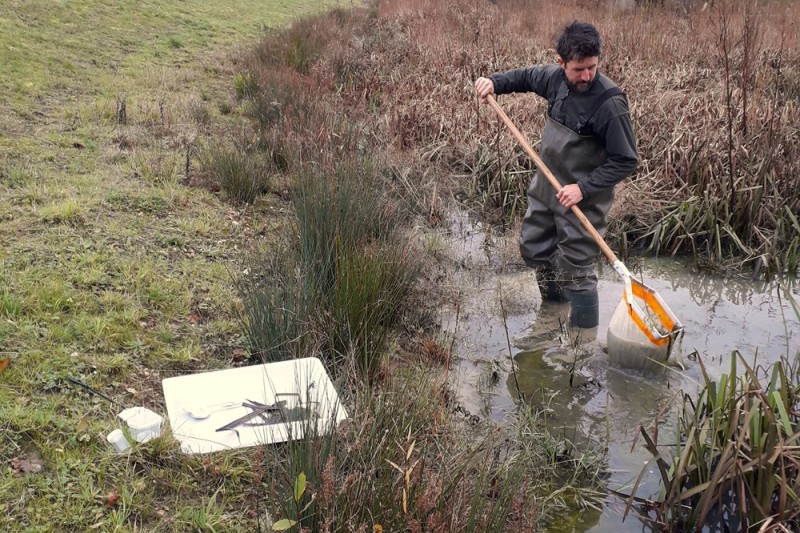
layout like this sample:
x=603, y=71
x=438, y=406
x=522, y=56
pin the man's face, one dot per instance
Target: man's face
x=580, y=73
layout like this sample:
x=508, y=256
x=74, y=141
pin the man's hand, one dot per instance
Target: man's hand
x=484, y=87
x=570, y=195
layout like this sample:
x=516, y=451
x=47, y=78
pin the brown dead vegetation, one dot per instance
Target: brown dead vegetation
x=714, y=92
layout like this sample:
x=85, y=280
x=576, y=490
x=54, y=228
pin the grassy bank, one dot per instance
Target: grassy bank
x=113, y=270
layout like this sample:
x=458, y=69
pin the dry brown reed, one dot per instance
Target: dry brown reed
x=714, y=95
x=404, y=463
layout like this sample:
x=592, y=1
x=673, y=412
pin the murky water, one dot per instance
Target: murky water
x=501, y=316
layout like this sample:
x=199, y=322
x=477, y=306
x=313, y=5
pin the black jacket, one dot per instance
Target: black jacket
x=610, y=124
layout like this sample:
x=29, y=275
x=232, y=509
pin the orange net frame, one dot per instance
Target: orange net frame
x=656, y=320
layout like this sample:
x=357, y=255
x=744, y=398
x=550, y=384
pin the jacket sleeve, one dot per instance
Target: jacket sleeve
x=523, y=80
x=614, y=130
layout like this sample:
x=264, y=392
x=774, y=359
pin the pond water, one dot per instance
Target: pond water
x=500, y=316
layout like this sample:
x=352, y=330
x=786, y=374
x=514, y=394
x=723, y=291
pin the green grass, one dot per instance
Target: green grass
x=112, y=269
x=60, y=45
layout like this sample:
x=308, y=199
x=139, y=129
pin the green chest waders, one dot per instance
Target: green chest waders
x=552, y=240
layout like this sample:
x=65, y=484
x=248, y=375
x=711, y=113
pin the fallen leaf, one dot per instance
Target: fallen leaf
x=4, y=363
x=20, y=465
x=83, y=424
x=131, y=390
x=283, y=524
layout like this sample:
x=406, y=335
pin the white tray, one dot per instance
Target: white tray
x=302, y=382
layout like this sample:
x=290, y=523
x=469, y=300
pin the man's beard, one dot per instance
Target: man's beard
x=581, y=86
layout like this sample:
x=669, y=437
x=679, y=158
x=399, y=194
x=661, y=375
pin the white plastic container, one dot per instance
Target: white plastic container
x=117, y=439
x=143, y=423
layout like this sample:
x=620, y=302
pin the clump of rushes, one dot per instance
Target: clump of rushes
x=343, y=284
x=340, y=210
x=737, y=460
x=363, y=274
x=246, y=85
x=371, y=289
x=277, y=310
x=243, y=175
x=405, y=463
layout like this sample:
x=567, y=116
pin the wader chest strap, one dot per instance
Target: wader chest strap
x=584, y=119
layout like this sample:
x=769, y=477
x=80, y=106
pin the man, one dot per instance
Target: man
x=589, y=146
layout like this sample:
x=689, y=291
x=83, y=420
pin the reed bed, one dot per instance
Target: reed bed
x=713, y=88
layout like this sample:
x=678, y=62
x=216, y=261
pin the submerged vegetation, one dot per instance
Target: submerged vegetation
x=328, y=142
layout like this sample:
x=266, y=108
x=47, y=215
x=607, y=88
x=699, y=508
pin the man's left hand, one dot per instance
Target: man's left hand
x=570, y=195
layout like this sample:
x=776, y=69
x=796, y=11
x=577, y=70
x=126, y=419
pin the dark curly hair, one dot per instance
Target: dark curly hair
x=578, y=41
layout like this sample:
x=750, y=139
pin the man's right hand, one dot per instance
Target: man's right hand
x=484, y=87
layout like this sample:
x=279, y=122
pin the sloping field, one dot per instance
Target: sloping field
x=112, y=270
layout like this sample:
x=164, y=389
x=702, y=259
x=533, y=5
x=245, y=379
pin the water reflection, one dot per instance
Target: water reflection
x=593, y=403
x=703, y=287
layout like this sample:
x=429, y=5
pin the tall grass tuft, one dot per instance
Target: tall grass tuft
x=343, y=285
x=499, y=180
x=277, y=98
x=10, y=307
x=278, y=312
x=341, y=211
x=246, y=85
x=371, y=288
x=243, y=175
x=737, y=460
x=362, y=274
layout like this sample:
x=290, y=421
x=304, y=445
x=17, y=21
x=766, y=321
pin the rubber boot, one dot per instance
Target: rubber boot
x=549, y=287
x=584, y=309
